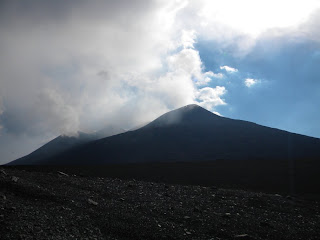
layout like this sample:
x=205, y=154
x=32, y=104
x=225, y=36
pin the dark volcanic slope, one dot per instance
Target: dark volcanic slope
x=192, y=133
x=63, y=143
x=51, y=205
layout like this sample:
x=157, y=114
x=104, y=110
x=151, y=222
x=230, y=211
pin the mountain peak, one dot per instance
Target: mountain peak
x=187, y=115
x=191, y=106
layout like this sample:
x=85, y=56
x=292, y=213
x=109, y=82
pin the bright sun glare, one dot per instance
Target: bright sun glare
x=254, y=17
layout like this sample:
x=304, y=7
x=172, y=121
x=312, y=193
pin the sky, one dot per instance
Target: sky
x=69, y=66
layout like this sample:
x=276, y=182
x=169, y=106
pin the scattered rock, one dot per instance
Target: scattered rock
x=92, y=202
x=14, y=179
x=63, y=211
x=3, y=172
x=289, y=197
x=243, y=236
x=22, y=236
x=130, y=185
x=63, y=174
x=265, y=224
x=226, y=215
x=66, y=208
x=196, y=209
x=3, y=197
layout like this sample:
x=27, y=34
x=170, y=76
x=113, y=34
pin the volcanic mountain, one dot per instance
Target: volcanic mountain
x=187, y=134
x=63, y=143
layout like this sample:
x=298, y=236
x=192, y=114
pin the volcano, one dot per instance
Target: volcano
x=187, y=134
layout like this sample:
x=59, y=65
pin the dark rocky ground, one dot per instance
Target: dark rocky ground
x=36, y=204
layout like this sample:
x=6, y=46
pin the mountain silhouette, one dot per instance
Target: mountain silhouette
x=188, y=134
x=63, y=143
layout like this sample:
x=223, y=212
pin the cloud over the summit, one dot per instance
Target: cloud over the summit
x=69, y=66
x=211, y=97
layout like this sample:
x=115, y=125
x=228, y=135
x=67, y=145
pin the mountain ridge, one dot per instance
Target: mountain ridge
x=191, y=133
x=63, y=143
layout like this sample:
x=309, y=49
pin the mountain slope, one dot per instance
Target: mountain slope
x=191, y=133
x=63, y=143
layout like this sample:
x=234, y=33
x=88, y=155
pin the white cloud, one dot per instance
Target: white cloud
x=178, y=86
x=188, y=62
x=64, y=116
x=211, y=97
x=217, y=114
x=68, y=53
x=240, y=24
x=188, y=38
x=229, y=69
x=133, y=48
x=207, y=77
x=212, y=74
x=249, y=82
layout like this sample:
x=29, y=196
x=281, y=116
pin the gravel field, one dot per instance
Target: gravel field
x=57, y=205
